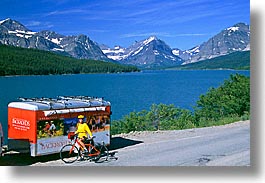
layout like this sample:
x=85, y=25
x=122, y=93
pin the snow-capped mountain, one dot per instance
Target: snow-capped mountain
x=14, y=33
x=9, y=24
x=149, y=53
x=231, y=39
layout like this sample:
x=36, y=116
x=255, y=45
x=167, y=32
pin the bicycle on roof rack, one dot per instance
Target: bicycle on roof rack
x=72, y=152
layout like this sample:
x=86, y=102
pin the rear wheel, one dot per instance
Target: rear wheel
x=69, y=153
x=104, y=154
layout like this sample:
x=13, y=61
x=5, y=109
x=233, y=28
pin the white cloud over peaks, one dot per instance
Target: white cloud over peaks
x=33, y=23
x=162, y=34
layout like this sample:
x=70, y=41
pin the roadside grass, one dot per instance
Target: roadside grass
x=223, y=121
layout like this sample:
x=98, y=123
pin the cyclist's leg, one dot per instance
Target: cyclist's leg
x=82, y=144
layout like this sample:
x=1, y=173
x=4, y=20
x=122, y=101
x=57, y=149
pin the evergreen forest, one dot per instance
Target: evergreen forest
x=24, y=61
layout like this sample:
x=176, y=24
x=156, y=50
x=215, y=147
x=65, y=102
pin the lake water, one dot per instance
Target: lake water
x=127, y=92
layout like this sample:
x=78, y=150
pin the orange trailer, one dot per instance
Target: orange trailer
x=41, y=126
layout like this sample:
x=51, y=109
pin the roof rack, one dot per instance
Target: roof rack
x=63, y=99
x=63, y=102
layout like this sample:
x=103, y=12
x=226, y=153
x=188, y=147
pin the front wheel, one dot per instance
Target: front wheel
x=69, y=153
x=103, y=156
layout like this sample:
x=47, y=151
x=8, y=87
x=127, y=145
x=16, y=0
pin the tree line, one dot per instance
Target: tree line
x=24, y=61
x=228, y=103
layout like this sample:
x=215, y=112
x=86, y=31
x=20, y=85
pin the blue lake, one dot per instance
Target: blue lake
x=127, y=92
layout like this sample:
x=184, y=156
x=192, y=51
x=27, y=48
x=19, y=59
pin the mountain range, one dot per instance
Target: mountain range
x=153, y=52
x=149, y=53
x=14, y=33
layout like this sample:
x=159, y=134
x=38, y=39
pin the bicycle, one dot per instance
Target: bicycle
x=97, y=153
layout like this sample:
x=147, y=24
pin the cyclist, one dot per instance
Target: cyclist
x=82, y=131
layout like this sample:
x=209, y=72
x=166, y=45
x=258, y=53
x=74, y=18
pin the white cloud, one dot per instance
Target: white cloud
x=33, y=23
x=39, y=25
x=162, y=34
x=64, y=12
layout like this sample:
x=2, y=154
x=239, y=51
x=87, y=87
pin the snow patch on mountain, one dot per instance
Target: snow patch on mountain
x=3, y=21
x=22, y=33
x=150, y=39
x=176, y=52
x=137, y=51
x=233, y=29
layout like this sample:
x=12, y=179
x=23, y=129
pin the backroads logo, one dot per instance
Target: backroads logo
x=21, y=124
x=51, y=145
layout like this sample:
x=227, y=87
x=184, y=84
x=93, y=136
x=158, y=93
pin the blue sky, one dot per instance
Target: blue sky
x=180, y=23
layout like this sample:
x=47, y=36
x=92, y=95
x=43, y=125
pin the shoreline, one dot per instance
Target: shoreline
x=141, y=71
x=70, y=74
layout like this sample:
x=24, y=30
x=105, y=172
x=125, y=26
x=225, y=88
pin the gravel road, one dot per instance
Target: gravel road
x=227, y=145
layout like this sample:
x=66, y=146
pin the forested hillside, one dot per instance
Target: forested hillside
x=237, y=60
x=23, y=61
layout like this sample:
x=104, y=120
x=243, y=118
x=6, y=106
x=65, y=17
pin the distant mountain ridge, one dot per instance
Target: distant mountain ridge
x=14, y=33
x=149, y=53
x=231, y=39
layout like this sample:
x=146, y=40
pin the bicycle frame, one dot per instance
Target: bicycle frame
x=89, y=147
x=95, y=153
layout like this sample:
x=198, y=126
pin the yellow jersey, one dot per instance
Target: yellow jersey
x=83, y=130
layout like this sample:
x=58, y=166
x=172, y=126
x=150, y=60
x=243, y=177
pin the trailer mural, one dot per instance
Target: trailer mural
x=44, y=125
x=52, y=128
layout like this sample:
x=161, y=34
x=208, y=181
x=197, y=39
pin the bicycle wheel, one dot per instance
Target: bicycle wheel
x=69, y=153
x=104, y=154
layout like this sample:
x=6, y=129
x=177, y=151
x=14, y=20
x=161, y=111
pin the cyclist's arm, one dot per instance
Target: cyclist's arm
x=77, y=131
x=88, y=131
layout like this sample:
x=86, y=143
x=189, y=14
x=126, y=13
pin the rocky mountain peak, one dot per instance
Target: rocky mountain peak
x=231, y=39
x=13, y=25
x=150, y=39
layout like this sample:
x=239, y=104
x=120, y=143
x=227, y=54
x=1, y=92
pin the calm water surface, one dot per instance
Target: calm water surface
x=126, y=91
